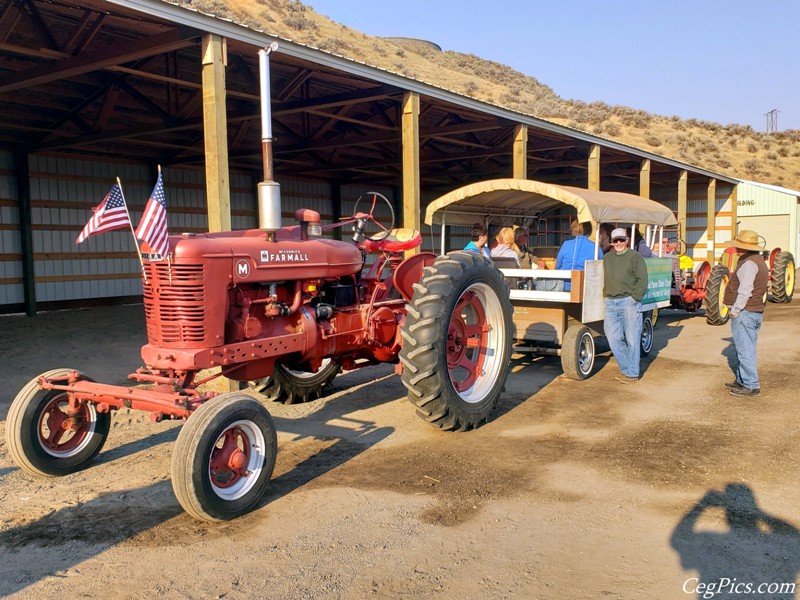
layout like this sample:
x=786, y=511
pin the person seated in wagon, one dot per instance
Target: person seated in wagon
x=526, y=258
x=506, y=246
x=574, y=253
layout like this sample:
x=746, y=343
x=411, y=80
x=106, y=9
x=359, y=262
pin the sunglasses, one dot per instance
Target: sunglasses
x=618, y=240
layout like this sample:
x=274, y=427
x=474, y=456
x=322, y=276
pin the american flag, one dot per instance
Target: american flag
x=110, y=214
x=153, y=226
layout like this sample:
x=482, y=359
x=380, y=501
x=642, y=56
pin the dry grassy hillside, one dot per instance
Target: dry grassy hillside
x=735, y=150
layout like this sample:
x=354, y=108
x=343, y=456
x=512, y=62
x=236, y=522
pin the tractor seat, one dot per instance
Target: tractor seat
x=395, y=240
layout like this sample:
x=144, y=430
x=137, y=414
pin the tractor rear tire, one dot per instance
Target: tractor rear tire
x=717, y=312
x=782, y=278
x=457, y=341
x=577, y=352
x=39, y=443
x=224, y=457
x=294, y=387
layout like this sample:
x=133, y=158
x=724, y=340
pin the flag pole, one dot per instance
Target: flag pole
x=130, y=222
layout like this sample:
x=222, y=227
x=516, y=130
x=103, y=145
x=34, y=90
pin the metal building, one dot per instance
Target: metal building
x=772, y=211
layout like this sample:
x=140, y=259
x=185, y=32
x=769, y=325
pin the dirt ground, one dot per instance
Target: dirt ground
x=573, y=490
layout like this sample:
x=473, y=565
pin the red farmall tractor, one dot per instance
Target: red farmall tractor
x=279, y=299
x=250, y=305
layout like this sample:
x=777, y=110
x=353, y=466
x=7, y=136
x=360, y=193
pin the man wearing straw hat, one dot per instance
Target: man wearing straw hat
x=746, y=296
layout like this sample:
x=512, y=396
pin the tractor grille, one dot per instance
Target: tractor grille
x=174, y=303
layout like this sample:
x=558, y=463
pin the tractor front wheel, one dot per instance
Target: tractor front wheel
x=48, y=437
x=782, y=278
x=457, y=341
x=224, y=457
x=717, y=312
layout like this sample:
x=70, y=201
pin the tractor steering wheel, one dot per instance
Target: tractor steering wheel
x=680, y=246
x=362, y=228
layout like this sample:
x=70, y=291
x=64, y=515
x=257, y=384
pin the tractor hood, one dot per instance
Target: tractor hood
x=255, y=259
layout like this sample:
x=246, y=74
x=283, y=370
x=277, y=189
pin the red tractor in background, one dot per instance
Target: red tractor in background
x=781, y=282
x=278, y=300
x=704, y=286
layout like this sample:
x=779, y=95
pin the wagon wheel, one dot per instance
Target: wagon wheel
x=577, y=352
x=291, y=386
x=716, y=310
x=457, y=341
x=376, y=231
x=782, y=278
x=224, y=457
x=647, y=334
x=44, y=438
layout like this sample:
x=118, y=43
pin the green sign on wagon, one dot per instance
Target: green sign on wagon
x=659, y=280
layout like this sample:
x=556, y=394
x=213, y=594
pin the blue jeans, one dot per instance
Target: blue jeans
x=623, y=328
x=745, y=335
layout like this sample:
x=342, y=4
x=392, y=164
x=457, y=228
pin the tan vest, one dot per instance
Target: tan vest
x=759, y=296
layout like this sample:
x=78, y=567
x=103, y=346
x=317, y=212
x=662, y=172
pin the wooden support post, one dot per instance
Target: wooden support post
x=711, y=216
x=215, y=128
x=644, y=189
x=594, y=167
x=683, y=199
x=520, y=155
x=411, y=184
x=22, y=176
x=644, y=178
x=734, y=203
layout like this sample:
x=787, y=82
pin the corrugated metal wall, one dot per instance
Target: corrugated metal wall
x=754, y=200
x=723, y=228
x=696, y=234
x=11, y=291
x=297, y=193
x=63, y=192
x=696, y=221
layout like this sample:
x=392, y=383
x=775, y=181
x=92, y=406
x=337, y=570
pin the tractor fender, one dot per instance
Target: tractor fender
x=410, y=272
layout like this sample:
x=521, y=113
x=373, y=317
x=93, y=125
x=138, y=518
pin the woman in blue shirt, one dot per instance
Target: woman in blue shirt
x=575, y=252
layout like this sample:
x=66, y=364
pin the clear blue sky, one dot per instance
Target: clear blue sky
x=727, y=61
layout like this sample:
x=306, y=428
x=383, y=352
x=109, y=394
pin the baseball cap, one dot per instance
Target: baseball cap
x=619, y=232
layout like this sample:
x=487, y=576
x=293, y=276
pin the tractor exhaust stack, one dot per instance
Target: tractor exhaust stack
x=269, y=191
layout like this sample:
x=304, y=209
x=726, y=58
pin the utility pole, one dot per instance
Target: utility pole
x=772, y=120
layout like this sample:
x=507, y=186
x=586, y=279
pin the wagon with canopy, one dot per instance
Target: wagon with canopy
x=549, y=319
